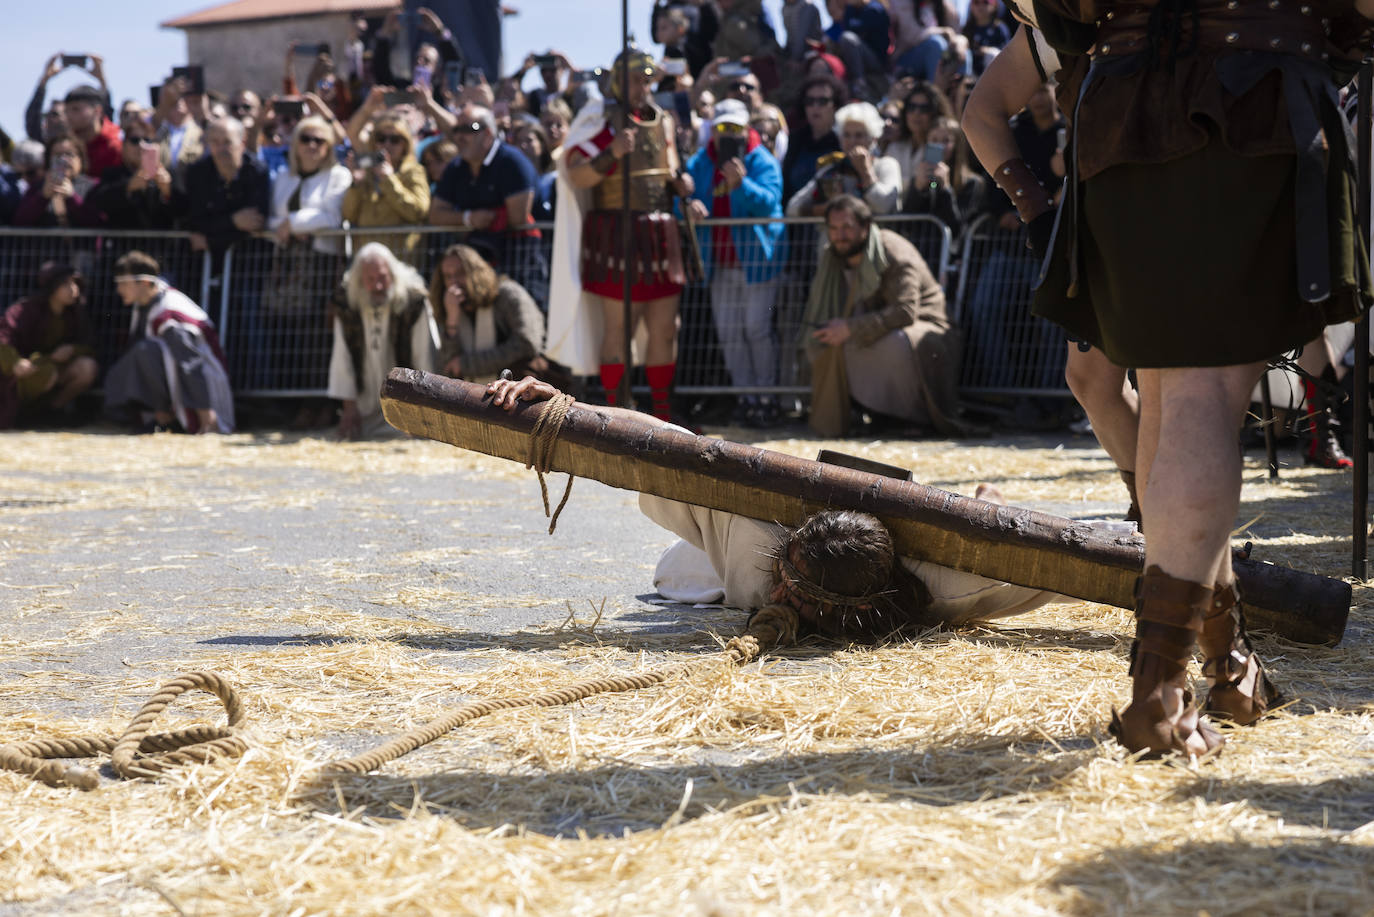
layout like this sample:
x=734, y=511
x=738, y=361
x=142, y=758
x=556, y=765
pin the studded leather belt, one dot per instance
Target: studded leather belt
x=1277, y=26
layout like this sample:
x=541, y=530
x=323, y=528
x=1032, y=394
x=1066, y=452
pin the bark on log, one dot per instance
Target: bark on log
x=1008, y=543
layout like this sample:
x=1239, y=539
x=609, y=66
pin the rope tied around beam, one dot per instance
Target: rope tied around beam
x=543, y=438
x=739, y=650
x=130, y=753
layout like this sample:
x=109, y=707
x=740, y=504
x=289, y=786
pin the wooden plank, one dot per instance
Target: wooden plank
x=1008, y=543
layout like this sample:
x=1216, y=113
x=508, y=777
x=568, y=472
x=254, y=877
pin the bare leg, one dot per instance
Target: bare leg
x=613, y=327
x=1189, y=420
x=74, y=378
x=660, y=316
x=209, y=420
x=1112, y=405
x=660, y=366
x=1193, y=486
x=1316, y=356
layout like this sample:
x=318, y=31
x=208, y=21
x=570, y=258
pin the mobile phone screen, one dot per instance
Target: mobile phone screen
x=195, y=76
x=149, y=153
x=453, y=76
x=935, y=153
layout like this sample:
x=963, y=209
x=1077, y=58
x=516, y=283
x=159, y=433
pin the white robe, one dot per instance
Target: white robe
x=379, y=358
x=575, y=323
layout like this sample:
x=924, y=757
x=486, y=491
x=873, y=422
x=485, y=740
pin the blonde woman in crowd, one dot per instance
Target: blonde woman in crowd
x=390, y=188
x=306, y=198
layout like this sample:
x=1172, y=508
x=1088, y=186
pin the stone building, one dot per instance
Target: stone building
x=242, y=44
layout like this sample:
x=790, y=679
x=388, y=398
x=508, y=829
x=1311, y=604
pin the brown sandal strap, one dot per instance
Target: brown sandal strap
x=1174, y=644
x=1169, y=600
x=1224, y=598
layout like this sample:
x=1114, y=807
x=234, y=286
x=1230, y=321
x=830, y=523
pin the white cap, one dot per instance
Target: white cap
x=731, y=111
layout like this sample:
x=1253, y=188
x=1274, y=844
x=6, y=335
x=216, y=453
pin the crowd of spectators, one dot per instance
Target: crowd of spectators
x=867, y=106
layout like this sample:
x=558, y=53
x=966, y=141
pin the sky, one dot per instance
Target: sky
x=138, y=53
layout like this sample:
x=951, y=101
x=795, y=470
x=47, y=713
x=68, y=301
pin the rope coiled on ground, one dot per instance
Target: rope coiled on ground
x=130, y=753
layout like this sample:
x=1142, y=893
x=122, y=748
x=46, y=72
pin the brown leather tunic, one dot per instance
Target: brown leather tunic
x=1147, y=114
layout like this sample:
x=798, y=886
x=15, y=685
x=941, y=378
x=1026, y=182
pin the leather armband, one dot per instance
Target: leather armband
x=1026, y=193
x=603, y=162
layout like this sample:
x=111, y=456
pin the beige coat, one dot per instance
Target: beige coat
x=902, y=356
x=400, y=199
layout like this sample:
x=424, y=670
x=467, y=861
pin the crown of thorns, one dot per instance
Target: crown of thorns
x=796, y=582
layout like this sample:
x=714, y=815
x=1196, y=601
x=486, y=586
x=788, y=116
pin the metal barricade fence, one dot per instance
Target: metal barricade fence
x=93, y=253
x=738, y=329
x=1007, y=350
x=274, y=311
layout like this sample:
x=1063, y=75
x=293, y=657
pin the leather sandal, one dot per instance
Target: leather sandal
x=1133, y=513
x=1240, y=689
x=1161, y=718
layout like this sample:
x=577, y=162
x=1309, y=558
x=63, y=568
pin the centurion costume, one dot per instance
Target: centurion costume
x=589, y=248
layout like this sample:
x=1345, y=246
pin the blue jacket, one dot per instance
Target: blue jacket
x=870, y=22
x=758, y=195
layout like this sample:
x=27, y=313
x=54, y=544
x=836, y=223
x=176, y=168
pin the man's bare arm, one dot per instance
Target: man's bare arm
x=1004, y=89
x=507, y=393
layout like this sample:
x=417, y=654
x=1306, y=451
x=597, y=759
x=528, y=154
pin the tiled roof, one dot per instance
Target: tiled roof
x=242, y=10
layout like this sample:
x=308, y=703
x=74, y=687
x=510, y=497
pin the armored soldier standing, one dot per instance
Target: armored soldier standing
x=606, y=137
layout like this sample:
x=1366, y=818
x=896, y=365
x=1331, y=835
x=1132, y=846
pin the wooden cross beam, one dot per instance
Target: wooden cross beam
x=1007, y=543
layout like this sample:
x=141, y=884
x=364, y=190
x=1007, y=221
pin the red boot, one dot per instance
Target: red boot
x=1323, y=431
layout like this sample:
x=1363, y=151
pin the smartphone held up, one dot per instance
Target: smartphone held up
x=150, y=156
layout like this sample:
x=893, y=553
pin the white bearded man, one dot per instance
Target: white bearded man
x=383, y=320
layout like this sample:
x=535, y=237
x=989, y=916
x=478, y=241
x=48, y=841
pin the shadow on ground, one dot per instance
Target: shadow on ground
x=610, y=799
x=1300, y=876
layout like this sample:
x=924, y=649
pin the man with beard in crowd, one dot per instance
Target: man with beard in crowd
x=382, y=320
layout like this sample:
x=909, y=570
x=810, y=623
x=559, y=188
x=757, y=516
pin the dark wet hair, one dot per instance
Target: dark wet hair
x=843, y=566
x=51, y=276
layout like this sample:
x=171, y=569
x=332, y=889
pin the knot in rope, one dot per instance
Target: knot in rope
x=543, y=438
x=129, y=753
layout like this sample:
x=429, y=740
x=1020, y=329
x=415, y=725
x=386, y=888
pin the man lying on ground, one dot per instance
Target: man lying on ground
x=836, y=575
